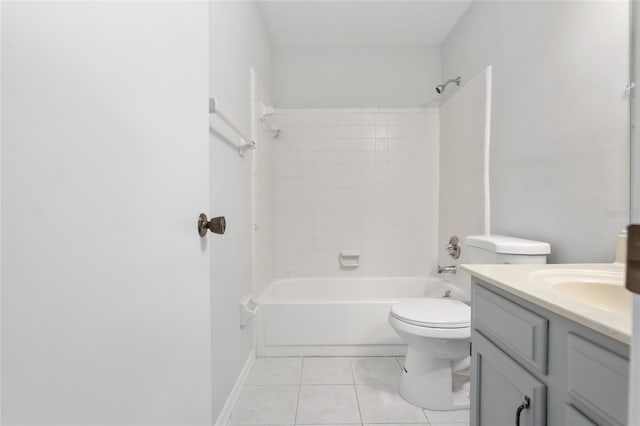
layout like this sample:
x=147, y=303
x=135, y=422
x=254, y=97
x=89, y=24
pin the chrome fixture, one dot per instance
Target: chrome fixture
x=440, y=88
x=447, y=269
x=217, y=225
x=248, y=142
x=453, y=248
x=447, y=294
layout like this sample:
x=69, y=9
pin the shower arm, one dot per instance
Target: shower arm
x=453, y=80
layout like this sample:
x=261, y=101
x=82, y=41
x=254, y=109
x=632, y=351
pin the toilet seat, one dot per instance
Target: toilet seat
x=433, y=313
x=432, y=332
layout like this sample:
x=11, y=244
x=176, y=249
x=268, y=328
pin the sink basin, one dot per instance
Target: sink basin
x=606, y=297
x=604, y=291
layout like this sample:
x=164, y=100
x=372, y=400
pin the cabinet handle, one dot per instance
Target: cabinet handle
x=524, y=406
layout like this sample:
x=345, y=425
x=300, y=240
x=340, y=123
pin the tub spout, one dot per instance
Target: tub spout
x=447, y=269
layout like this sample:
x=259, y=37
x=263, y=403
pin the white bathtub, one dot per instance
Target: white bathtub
x=336, y=316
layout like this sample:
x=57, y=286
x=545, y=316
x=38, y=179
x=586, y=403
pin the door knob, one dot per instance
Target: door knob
x=217, y=225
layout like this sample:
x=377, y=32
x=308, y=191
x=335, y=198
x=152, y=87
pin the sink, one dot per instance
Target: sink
x=601, y=290
x=606, y=297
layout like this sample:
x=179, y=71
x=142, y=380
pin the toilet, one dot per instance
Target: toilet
x=437, y=333
x=435, y=375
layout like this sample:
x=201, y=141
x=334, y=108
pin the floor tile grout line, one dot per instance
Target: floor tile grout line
x=295, y=416
x=355, y=390
x=351, y=360
x=401, y=363
x=347, y=358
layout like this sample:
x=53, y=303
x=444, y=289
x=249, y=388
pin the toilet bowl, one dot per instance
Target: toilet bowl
x=437, y=333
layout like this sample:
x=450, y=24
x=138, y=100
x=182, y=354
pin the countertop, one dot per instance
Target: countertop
x=520, y=281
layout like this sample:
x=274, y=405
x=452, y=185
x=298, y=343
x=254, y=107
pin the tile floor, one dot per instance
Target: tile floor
x=332, y=391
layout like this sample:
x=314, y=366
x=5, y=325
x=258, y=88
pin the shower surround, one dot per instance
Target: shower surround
x=363, y=180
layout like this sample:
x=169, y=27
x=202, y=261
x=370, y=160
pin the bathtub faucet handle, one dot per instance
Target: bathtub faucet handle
x=447, y=269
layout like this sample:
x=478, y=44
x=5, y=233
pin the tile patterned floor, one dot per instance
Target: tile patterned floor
x=357, y=391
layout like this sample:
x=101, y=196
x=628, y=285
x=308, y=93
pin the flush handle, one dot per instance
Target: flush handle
x=217, y=225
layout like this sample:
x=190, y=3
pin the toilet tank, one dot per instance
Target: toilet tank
x=502, y=249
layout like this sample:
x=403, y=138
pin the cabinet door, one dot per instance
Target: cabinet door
x=597, y=380
x=573, y=417
x=501, y=386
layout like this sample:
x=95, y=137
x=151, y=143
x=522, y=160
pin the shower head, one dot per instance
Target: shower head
x=440, y=87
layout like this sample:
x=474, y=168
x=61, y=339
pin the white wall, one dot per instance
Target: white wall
x=105, y=283
x=238, y=41
x=560, y=126
x=355, y=77
x=364, y=180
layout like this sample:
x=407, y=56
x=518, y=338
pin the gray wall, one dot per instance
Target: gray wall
x=560, y=119
x=331, y=77
x=238, y=41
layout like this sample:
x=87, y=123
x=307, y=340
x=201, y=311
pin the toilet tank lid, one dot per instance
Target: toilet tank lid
x=508, y=245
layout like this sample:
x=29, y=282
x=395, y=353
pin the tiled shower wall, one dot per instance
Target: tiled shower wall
x=358, y=180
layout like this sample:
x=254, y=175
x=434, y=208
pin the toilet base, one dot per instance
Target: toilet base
x=428, y=383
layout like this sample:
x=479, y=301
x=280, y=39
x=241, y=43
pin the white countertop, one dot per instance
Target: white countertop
x=517, y=280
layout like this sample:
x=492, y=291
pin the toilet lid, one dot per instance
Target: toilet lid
x=435, y=313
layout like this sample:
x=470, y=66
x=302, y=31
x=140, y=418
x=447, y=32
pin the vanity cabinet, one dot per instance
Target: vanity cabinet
x=533, y=367
x=506, y=391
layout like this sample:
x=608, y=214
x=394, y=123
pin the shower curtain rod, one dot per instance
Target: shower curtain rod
x=248, y=142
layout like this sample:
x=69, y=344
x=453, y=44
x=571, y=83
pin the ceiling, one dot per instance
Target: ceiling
x=351, y=23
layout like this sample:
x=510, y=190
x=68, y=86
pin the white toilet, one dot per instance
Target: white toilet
x=437, y=331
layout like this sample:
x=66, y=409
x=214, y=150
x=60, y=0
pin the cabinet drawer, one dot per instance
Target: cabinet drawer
x=598, y=380
x=573, y=417
x=512, y=327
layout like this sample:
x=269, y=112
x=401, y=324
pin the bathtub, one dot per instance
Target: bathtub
x=336, y=316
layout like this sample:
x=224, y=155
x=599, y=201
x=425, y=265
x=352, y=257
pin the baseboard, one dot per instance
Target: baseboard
x=230, y=403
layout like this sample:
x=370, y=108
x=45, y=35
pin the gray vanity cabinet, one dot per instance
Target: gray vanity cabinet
x=549, y=369
x=505, y=390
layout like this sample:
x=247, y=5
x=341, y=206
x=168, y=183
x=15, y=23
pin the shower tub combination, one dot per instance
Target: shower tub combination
x=337, y=316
